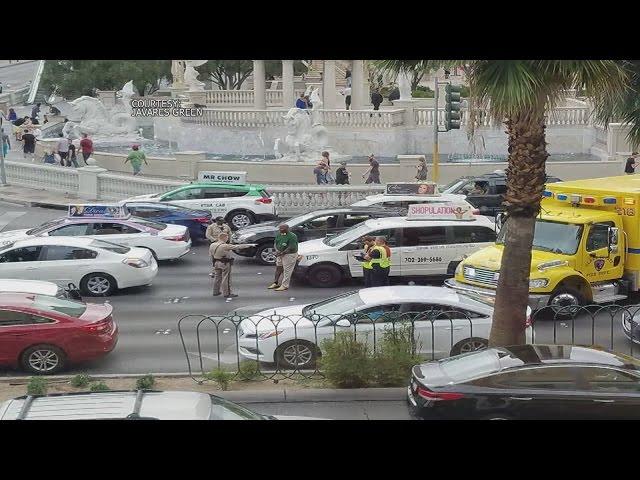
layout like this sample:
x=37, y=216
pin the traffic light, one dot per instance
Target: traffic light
x=452, y=107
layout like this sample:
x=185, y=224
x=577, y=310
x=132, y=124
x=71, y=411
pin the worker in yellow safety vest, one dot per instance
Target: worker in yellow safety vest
x=367, y=267
x=380, y=257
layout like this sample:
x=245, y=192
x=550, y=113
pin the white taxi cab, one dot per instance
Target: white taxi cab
x=98, y=267
x=240, y=204
x=430, y=241
x=112, y=223
x=401, y=195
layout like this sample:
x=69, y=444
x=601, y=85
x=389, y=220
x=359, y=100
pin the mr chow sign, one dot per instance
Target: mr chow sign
x=233, y=178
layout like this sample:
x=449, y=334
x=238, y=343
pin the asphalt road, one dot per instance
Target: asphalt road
x=148, y=316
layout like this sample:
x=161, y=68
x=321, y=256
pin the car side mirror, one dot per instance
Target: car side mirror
x=343, y=323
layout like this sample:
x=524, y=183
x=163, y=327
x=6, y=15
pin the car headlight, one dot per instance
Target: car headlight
x=538, y=282
x=270, y=334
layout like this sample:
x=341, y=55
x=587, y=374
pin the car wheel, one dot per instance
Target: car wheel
x=98, y=285
x=565, y=302
x=43, y=359
x=469, y=345
x=266, y=254
x=297, y=355
x=240, y=219
x=325, y=276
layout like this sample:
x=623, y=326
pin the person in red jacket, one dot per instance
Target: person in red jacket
x=86, y=147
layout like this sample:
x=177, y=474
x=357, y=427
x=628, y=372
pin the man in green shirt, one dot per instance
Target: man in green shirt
x=286, y=245
x=136, y=157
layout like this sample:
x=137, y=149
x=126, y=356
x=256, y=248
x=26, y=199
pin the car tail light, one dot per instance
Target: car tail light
x=103, y=326
x=135, y=262
x=203, y=220
x=264, y=200
x=438, y=396
x=178, y=238
x=476, y=212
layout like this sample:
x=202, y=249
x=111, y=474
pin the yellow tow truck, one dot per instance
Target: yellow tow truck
x=586, y=247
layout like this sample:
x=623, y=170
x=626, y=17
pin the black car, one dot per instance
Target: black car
x=196, y=221
x=485, y=192
x=316, y=224
x=528, y=382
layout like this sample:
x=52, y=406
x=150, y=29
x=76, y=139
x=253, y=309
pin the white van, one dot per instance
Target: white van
x=430, y=241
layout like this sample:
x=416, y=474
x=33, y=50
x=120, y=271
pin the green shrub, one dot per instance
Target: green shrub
x=249, y=370
x=37, y=386
x=99, y=387
x=80, y=381
x=394, y=357
x=145, y=383
x=423, y=92
x=221, y=377
x=346, y=361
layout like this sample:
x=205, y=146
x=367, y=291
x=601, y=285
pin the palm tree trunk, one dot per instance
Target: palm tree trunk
x=525, y=184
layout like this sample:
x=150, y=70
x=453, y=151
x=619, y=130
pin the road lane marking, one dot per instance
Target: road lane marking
x=8, y=217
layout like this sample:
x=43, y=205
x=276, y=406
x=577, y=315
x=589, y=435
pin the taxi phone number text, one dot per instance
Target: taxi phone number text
x=423, y=259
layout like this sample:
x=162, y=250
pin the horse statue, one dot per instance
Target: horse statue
x=298, y=124
x=121, y=113
x=95, y=119
x=191, y=75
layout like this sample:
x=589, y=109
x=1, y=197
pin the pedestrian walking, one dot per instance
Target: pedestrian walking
x=13, y=116
x=35, y=111
x=380, y=257
x=136, y=157
x=213, y=232
x=342, y=175
x=367, y=266
x=347, y=97
x=321, y=173
x=286, y=245
x=301, y=103
x=71, y=158
x=86, y=147
x=327, y=162
x=63, y=149
x=373, y=173
x=222, y=262
x=29, y=145
x=347, y=77
x=630, y=166
x=421, y=173
x=376, y=99
x=6, y=143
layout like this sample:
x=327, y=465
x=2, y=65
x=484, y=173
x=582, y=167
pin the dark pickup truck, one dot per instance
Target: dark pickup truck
x=312, y=225
x=485, y=192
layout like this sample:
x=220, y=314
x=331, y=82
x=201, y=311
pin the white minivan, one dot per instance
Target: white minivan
x=430, y=244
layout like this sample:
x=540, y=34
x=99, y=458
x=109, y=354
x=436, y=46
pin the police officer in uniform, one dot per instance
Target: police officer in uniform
x=380, y=257
x=220, y=251
x=215, y=229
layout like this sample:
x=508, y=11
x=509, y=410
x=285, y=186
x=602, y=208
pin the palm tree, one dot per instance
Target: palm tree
x=518, y=93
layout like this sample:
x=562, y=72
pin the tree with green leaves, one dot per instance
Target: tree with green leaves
x=73, y=78
x=231, y=74
x=518, y=93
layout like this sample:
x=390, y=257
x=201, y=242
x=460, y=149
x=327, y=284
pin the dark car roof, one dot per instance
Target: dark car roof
x=503, y=176
x=527, y=355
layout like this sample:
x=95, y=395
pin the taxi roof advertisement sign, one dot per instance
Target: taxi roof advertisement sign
x=440, y=211
x=424, y=188
x=232, y=178
x=103, y=211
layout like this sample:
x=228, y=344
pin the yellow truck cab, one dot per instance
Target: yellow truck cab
x=586, y=247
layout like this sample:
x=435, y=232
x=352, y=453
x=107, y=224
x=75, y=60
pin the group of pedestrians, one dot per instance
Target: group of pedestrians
x=376, y=261
x=219, y=233
x=65, y=152
x=322, y=171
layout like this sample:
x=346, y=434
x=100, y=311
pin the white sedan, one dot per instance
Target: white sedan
x=403, y=201
x=445, y=323
x=165, y=242
x=98, y=267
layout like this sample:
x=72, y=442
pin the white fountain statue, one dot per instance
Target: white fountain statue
x=191, y=75
x=307, y=137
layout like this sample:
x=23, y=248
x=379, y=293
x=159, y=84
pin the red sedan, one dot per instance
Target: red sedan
x=43, y=334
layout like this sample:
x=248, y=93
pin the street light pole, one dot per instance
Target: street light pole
x=436, y=153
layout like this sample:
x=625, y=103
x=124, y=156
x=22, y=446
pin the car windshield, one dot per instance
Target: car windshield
x=112, y=247
x=44, y=227
x=223, y=410
x=450, y=188
x=556, y=237
x=58, y=305
x=357, y=231
x=149, y=223
x=339, y=305
x=471, y=365
x=302, y=219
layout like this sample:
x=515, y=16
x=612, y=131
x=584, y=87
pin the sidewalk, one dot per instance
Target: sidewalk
x=5, y=63
x=33, y=197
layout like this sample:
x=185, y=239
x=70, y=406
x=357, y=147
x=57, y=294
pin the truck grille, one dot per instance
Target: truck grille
x=482, y=275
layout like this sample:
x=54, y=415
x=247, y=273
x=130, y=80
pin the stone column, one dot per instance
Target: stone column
x=357, y=85
x=259, y=95
x=288, y=95
x=88, y=181
x=329, y=84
